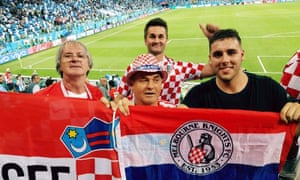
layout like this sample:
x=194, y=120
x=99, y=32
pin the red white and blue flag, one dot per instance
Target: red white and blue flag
x=207, y=144
x=53, y=138
x=290, y=79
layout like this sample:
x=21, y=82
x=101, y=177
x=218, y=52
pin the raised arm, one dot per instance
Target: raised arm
x=209, y=29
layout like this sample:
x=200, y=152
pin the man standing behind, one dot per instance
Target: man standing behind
x=156, y=38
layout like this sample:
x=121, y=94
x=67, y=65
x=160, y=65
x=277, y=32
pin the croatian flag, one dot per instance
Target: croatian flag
x=176, y=144
x=290, y=79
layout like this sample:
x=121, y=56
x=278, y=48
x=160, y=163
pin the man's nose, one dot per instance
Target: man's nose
x=225, y=57
x=150, y=84
x=156, y=39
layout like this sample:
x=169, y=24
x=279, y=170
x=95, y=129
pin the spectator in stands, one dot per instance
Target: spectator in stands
x=3, y=86
x=73, y=63
x=42, y=83
x=49, y=81
x=233, y=88
x=29, y=23
x=113, y=91
x=116, y=78
x=155, y=38
x=9, y=80
x=20, y=85
x=34, y=86
x=145, y=79
x=103, y=86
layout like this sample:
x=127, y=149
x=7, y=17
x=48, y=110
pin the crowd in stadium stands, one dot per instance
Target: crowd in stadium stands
x=24, y=22
x=32, y=84
x=108, y=86
x=27, y=23
x=21, y=84
x=28, y=19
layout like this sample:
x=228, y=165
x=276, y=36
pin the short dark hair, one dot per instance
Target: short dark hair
x=134, y=76
x=223, y=34
x=49, y=81
x=34, y=76
x=155, y=22
x=111, y=83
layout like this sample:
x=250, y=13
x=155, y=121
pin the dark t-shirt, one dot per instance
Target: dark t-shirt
x=261, y=94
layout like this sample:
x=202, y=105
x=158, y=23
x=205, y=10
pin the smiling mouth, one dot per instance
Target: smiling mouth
x=225, y=67
x=149, y=93
x=225, y=70
x=156, y=45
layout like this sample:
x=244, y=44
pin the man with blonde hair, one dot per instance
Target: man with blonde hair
x=73, y=63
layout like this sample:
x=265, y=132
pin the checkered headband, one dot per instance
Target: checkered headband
x=146, y=63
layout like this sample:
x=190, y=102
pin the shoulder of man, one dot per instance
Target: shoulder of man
x=53, y=89
x=96, y=92
x=260, y=77
x=206, y=87
x=168, y=59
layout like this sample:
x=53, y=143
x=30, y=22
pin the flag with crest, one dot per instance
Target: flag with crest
x=176, y=144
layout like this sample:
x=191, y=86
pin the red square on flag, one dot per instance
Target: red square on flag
x=102, y=165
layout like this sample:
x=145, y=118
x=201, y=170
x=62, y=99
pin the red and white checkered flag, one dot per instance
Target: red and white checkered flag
x=196, y=155
x=99, y=165
x=290, y=79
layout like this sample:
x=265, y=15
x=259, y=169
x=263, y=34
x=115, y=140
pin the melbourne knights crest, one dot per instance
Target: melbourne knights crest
x=201, y=147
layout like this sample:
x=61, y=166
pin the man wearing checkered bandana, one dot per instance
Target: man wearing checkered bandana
x=155, y=38
x=145, y=81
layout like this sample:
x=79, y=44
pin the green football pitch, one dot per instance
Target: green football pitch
x=270, y=35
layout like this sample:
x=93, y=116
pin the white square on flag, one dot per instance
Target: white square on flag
x=295, y=82
x=103, y=166
x=290, y=79
x=86, y=177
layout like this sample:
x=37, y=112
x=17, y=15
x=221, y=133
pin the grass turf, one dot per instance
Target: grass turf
x=270, y=35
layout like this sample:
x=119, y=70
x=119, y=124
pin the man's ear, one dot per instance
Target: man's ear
x=243, y=54
x=130, y=83
x=209, y=59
